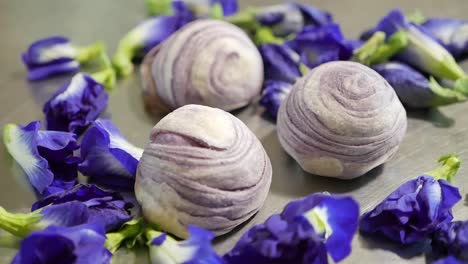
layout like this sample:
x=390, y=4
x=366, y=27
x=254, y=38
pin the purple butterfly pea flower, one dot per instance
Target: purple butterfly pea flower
x=46, y=157
x=105, y=207
x=322, y=44
x=306, y=231
x=452, y=33
x=273, y=94
x=288, y=18
x=108, y=158
x=451, y=239
x=280, y=62
x=75, y=104
x=449, y=260
x=413, y=211
x=414, y=89
x=148, y=34
x=196, y=249
x=56, y=55
x=79, y=244
x=422, y=52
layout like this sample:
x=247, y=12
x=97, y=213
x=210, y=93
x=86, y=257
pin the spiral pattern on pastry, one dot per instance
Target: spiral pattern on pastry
x=203, y=167
x=207, y=62
x=341, y=120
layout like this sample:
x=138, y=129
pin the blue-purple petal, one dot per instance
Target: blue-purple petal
x=283, y=19
x=21, y=143
x=104, y=207
x=451, y=239
x=50, y=56
x=294, y=237
x=314, y=16
x=412, y=212
x=108, y=158
x=317, y=45
x=75, y=104
x=274, y=93
x=79, y=244
x=153, y=31
x=411, y=86
x=229, y=6
x=66, y=214
x=452, y=33
x=280, y=62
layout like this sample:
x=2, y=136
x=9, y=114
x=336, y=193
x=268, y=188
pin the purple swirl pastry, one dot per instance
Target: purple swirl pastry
x=203, y=167
x=341, y=120
x=206, y=62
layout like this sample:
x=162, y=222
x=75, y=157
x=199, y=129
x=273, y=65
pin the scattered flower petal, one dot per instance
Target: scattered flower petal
x=414, y=89
x=104, y=207
x=273, y=94
x=422, y=52
x=413, y=212
x=79, y=244
x=314, y=16
x=322, y=44
x=280, y=62
x=196, y=249
x=284, y=19
x=452, y=33
x=46, y=157
x=108, y=158
x=449, y=260
x=148, y=34
x=76, y=104
x=451, y=239
x=304, y=232
x=56, y=55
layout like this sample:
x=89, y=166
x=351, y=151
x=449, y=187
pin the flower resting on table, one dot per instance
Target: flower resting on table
x=108, y=158
x=46, y=157
x=416, y=91
x=413, y=212
x=201, y=8
x=452, y=33
x=451, y=239
x=306, y=231
x=320, y=45
x=273, y=94
x=57, y=55
x=196, y=249
x=283, y=19
x=105, y=207
x=280, y=62
x=422, y=52
x=128, y=234
x=84, y=204
x=54, y=245
x=75, y=104
x=148, y=34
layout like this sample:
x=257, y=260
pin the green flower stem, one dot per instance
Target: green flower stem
x=264, y=35
x=376, y=50
x=448, y=169
x=217, y=11
x=20, y=224
x=129, y=233
x=122, y=59
x=446, y=96
x=440, y=62
x=159, y=7
x=9, y=241
x=107, y=75
x=245, y=20
x=85, y=54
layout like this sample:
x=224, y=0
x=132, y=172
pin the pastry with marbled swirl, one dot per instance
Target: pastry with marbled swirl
x=202, y=167
x=341, y=120
x=207, y=62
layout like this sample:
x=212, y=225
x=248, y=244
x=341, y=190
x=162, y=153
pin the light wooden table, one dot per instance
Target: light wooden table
x=430, y=134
